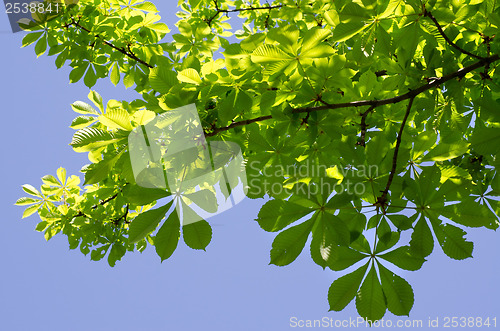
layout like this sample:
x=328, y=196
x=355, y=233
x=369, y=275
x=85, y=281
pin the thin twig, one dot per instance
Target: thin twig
x=227, y=11
x=119, y=49
x=448, y=40
x=239, y=123
x=364, y=126
x=382, y=200
x=373, y=103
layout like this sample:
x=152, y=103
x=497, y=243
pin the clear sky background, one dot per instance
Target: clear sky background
x=231, y=286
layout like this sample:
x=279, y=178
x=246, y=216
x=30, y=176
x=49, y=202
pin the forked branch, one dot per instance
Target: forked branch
x=127, y=52
x=382, y=200
x=448, y=40
x=374, y=103
x=237, y=10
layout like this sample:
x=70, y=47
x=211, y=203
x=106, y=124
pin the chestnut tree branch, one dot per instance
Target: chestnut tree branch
x=448, y=40
x=373, y=103
x=122, y=50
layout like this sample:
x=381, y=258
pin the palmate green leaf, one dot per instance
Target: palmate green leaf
x=402, y=258
x=77, y=73
x=88, y=139
x=344, y=31
x=370, y=301
x=146, y=222
x=98, y=171
x=143, y=116
x=161, y=28
x=117, y=118
x=116, y=253
x=96, y=99
x=41, y=45
x=140, y=196
x=344, y=289
x=422, y=242
x=99, y=253
x=313, y=38
x=235, y=103
x=333, y=229
x=31, y=209
x=319, y=51
x=83, y=108
x=146, y=6
x=275, y=215
x=196, y=235
x=486, y=140
x=205, y=199
x=167, y=238
x=269, y=53
x=451, y=171
x=114, y=75
x=329, y=232
x=51, y=181
x=452, y=240
x=162, y=79
x=31, y=190
x=341, y=258
x=397, y=291
x=353, y=12
x=81, y=122
x=190, y=76
x=30, y=38
x=289, y=244
x=468, y=213
x=443, y=152
x=423, y=142
x=24, y=201
x=90, y=78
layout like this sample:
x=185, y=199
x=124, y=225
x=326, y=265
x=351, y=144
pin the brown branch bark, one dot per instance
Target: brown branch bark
x=383, y=198
x=373, y=103
x=235, y=124
x=364, y=126
x=448, y=40
x=122, y=50
x=237, y=10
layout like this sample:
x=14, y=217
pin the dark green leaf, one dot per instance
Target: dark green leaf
x=197, y=235
x=140, y=196
x=344, y=289
x=146, y=222
x=402, y=257
x=289, y=244
x=168, y=236
x=370, y=301
x=397, y=291
x=275, y=215
x=422, y=242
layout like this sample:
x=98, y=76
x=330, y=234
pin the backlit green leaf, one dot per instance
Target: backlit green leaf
x=146, y=223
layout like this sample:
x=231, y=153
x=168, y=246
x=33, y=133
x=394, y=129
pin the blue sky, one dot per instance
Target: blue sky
x=45, y=286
